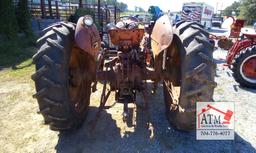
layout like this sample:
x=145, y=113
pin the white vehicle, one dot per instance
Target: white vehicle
x=199, y=12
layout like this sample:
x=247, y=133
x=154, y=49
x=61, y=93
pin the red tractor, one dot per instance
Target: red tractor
x=71, y=60
x=241, y=58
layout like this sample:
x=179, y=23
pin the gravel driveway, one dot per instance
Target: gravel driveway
x=112, y=135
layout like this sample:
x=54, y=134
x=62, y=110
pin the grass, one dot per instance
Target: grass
x=15, y=51
x=15, y=57
x=23, y=69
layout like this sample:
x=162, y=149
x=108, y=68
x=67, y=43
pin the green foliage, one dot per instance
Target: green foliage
x=8, y=24
x=14, y=20
x=23, y=17
x=122, y=6
x=235, y=7
x=82, y=12
x=139, y=9
x=248, y=11
x=244, y=9
x=15, y=51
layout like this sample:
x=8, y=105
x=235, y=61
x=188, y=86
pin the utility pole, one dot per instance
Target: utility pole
x=99, y=12
x=115, y=11
x=50, y=7
x=80, y=3
x=42, y=6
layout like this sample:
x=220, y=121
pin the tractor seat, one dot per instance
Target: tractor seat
x=250, y=36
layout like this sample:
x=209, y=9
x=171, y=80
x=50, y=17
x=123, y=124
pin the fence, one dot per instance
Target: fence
x=56, y=10
x=52, y=9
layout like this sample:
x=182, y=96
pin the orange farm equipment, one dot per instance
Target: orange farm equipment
x=241, y=57
x=72, y=59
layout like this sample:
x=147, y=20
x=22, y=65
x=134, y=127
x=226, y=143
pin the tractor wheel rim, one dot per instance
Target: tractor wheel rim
x=79, y=96
x=248, y=69
x=77, y=90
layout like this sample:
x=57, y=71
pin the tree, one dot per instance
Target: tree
x=139, y=9
x=247, y=11
x=235, y=7
x=122, y=6
x=23, y=17
x=8, y=24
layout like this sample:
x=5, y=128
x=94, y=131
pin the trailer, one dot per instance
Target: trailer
x=198, y=12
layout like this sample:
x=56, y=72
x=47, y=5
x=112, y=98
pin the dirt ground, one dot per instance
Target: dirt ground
x=22, y=129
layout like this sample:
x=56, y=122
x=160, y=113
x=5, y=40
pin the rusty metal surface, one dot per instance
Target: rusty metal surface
x=127, y=70
x=225, y=44
x=81, y=74
x=236, y=28
x=126, y=36
x=238, y=46
x=125, y=73
x=222, y=41
x=87, y=38
x=162, y=35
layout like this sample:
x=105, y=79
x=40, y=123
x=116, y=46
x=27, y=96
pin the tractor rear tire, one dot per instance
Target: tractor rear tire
x=196, y=75
x=237, y=67
x=52, y=79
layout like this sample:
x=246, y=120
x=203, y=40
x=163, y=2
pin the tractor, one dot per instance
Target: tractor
x=72, y=61
x=241, y=57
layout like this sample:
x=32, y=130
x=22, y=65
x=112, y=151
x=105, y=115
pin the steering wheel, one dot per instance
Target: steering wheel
x=122, y=19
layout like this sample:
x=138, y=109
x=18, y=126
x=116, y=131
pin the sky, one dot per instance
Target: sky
x=174, y=5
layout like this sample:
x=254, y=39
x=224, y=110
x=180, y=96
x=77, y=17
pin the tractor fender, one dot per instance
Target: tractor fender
x=237, y=47
x=162, y=35
x=87, y=38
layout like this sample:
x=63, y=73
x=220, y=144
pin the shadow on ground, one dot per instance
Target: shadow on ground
x=15, y=51
x=152, y=133
x=248, y=89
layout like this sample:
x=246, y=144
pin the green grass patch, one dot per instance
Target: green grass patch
x=15, y=57
x=24, y=69
x=13, y=52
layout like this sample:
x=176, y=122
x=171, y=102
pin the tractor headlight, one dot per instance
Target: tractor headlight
x=88, y=21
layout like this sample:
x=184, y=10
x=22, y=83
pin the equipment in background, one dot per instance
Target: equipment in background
x=241, y=57
x=217, y=21
x=198, y=12
x=156, y=12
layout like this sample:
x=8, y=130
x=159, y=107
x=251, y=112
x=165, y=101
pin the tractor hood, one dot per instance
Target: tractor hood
x=87, y=38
